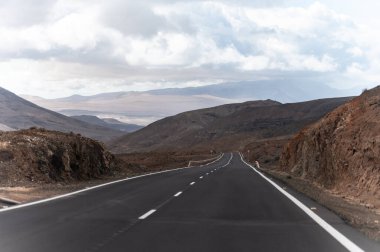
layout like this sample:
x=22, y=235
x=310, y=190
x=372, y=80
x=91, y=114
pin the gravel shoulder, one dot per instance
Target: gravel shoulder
x=360, y=215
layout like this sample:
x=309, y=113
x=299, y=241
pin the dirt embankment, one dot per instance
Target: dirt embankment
x=341, y=152
x=266, y=151
x=157, y=161
x=39, y=156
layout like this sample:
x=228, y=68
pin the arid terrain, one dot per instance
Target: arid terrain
x=40, y=156
x=37, y=163
x=341, y=151
x=327, y=149
x=336, y=161
x=225, y=128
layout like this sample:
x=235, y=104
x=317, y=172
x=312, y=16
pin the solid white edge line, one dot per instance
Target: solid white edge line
x=177, y=194
x=348, y=244
x=144, y=216
x=94, y=187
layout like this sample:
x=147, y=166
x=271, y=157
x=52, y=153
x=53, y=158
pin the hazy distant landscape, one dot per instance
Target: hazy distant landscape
x=141, y=107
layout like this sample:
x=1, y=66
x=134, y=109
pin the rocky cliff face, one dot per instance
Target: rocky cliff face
x=38, y=155
x=341, y=152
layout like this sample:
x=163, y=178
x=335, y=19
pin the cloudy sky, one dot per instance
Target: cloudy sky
x=55, y=48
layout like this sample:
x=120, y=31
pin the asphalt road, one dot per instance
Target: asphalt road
x=224, y=206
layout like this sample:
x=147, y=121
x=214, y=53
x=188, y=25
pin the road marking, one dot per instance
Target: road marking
x=177, y=194
x=206, y=174
x=229, y=161
x=192, y=183
x=201, y=177
x=327, y=227
x=144, y=216
x=94, y=187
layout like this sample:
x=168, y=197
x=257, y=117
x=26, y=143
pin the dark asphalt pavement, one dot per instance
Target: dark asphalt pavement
x=224, y=206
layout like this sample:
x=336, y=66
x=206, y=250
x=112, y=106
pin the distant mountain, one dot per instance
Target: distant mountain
x=108, y=123
x=129, y=107
x=284, y=91
x=146, y=107
x=226, y=127
x=17, y=113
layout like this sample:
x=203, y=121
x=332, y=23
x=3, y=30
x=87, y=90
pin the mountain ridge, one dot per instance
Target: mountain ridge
x=225, y=127
x=18, y=113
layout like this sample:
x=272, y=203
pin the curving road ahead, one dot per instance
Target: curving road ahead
x=223, y=206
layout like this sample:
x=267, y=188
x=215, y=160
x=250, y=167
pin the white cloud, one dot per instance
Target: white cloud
x=163, y=50
x=73, y=46
x=355, y=51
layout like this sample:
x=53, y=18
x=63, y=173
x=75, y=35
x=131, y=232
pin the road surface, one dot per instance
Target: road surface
x=223, y=206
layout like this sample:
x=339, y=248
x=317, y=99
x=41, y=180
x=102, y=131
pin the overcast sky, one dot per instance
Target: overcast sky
x=54, y=48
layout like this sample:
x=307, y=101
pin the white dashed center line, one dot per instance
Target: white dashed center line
x=147, y=214
x=201, y=177
x=177, y=194
x=192, y=183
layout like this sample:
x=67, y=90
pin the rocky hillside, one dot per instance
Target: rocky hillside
x=226, y=127
x=17, y=113
x=40, y=156
x=341, y=152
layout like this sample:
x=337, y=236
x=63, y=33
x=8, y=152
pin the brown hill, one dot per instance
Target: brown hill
x=341, y=152
x=40, y=156
x=226, y=127
x=17, y=113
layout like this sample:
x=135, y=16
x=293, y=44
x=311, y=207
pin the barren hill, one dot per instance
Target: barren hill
x=226, y=127
x=341, y=151
x=17, y=113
